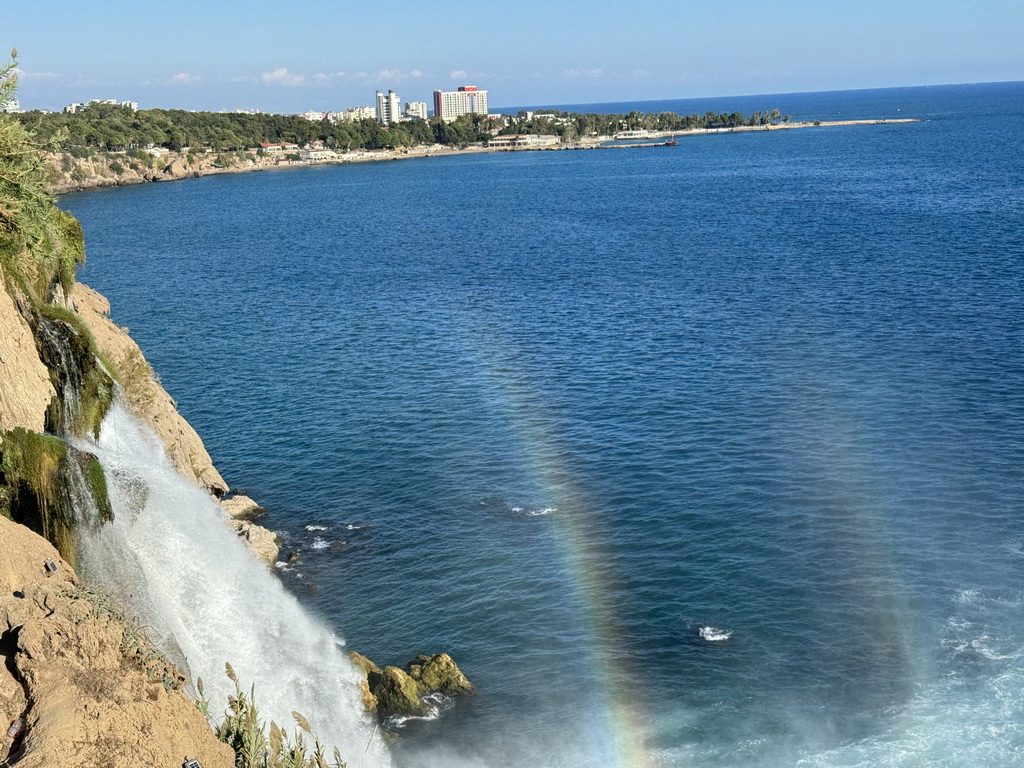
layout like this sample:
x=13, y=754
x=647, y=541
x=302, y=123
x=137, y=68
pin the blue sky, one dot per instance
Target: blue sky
x=282, y=57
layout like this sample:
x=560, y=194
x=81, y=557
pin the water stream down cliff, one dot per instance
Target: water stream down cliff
x=170, y=558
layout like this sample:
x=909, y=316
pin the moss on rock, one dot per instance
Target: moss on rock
x=40, y=477
x=397, y=693
x=439, y=674
x=393, y=691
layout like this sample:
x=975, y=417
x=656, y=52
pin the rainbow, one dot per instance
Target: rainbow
x=621, y=718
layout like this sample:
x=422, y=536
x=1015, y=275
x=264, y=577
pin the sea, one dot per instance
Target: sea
x=705, y=455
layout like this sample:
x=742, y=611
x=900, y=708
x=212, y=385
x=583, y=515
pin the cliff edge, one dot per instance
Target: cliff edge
x=80, y=683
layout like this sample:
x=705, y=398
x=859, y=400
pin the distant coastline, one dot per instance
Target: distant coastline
x=71, y=174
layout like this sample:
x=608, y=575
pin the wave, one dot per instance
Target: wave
x=437, y=705
x=714, y=635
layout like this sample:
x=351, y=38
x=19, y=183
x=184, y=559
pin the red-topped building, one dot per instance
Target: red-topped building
x=468, y=100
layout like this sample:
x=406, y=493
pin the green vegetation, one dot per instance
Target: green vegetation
x=571, y=126
x=39, y=242
x=39, y=477
x=257, y=746
x=113, y=128
x=108, y=127
x=41, y=247
x=82, y=378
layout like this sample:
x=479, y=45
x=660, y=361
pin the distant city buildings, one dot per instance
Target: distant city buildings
x=518, y=140
x=388, y=108
x=11, y=105
x=71, y=109
x=416, y=109
x=468, y=100
x=355, y=114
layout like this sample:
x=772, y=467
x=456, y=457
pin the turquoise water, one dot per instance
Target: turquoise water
x=693, y=455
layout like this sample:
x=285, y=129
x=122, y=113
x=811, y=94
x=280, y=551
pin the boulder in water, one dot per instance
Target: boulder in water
x=439, y=674
x=263, y=543
x=241, y=507
x=393, y=691
x=397, y=693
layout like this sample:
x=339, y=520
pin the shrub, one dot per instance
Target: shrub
x=258, y=747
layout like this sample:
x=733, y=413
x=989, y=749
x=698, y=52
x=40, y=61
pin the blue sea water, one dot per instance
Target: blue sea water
x=700, y=455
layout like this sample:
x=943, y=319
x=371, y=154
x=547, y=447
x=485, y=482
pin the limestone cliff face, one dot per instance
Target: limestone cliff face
x=80, y=680
x=143, y=394
x=25, y=388
x=150, y=403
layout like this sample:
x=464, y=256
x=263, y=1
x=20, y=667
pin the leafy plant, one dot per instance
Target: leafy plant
x=257, y=745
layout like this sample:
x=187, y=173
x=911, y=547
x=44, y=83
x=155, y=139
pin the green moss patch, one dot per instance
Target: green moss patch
x=43, y=483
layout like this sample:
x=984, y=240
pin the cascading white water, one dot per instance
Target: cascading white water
x=171, y=559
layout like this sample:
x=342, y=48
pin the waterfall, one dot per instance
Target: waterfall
x=171, y=560
x=54, y=337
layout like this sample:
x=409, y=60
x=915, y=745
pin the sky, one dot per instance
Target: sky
x=326, y=56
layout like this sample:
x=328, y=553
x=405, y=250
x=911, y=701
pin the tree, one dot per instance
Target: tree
x=37, y=239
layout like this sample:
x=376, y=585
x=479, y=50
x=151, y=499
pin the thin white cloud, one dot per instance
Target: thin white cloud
x=23, y=75
x=184, y=78
x=385, y=76
x=458, y=74
x=584, y=73
x=281, y=76
x=325, y=77
x=397, y=75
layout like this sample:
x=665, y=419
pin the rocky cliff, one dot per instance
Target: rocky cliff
x=80, y=684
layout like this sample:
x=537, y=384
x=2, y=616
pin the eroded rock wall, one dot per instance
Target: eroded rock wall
x=81, y=679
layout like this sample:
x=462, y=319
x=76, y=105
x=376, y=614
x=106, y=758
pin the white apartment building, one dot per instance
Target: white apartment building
x=517, y=140
x=416, y=109
x=468, y=100
x=389, y=108
x=353, y=114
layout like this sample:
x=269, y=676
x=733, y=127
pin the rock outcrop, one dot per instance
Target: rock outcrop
x=413, y=691
x=25, y=388
x=83, y=683
x=143, y=394
x=151, y=403
x=263, y=543
x=241, y=507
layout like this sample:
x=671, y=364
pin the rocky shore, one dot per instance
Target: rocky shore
x=81, y=686
x=115, y=169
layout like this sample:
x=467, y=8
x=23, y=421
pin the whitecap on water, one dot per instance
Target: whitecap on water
x=437, y=705
x=312, y=528
x=714, y=635
x=319, y=543
x=539, y=512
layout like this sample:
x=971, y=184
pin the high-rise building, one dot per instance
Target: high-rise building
x=389, y=108
x=416, y=109
x=468, y=100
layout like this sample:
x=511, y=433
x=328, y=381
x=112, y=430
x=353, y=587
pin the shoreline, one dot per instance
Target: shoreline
x=93, y=174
